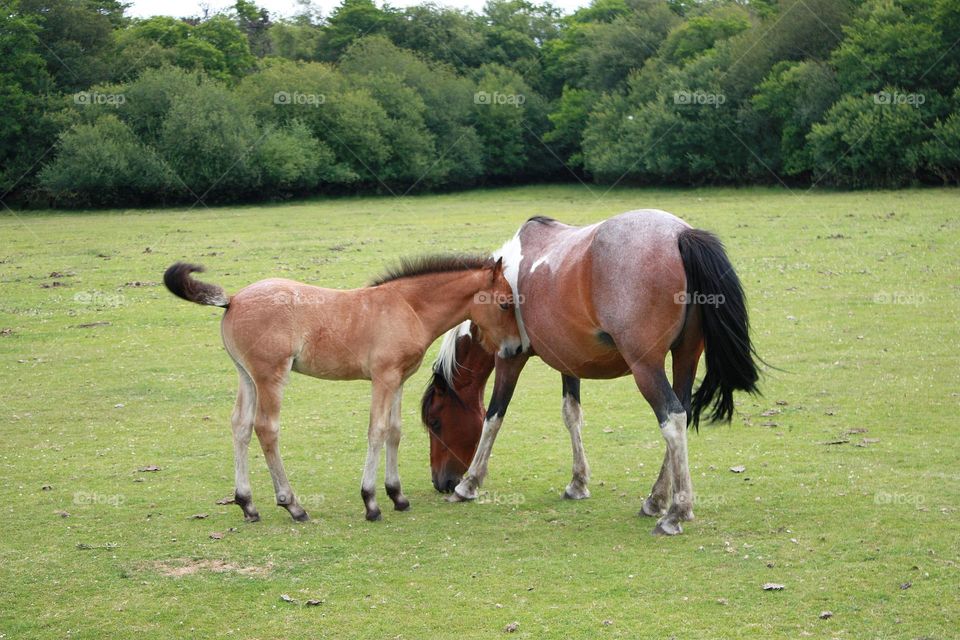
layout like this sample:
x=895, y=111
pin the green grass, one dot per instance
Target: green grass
x=854, y=295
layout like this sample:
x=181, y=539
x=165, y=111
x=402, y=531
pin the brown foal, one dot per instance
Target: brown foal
x=378, y=333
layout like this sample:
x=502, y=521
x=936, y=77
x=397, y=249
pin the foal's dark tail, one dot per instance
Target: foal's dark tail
x=715, y=288
x=178, y=281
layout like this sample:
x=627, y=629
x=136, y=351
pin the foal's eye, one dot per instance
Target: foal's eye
x=504, y=305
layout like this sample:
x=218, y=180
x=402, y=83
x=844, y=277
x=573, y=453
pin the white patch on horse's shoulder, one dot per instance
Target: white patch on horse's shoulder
x=541, y=260
x=512, y=255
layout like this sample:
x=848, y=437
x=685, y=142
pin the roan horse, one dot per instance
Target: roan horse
x=377, y=333
x=602, y=301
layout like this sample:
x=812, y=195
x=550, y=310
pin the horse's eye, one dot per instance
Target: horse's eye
x=435, y=425
x=504, y=305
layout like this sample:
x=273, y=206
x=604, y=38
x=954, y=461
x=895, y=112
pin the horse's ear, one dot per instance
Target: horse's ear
x=497, y=269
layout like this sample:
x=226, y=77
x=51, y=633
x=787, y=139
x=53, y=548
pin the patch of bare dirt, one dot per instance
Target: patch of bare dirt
x=187, y=567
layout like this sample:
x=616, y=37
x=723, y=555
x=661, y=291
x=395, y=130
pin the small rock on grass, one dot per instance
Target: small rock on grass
x=216, y=535
x=773, y=586
x=314, y=603
x=286, y=598
x=200, y=516
x=227, y=500
x=512, y=627
x=826, y=615
x=149, y=468
x=62, y=514
x=738, y=469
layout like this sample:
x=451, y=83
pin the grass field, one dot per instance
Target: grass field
x=854, y=295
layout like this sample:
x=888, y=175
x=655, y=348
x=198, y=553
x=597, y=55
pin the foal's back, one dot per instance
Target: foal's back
x=276, y=325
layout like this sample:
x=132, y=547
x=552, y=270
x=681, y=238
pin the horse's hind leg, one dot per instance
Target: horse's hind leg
x=652, y=382
x=242, y=423
x=686, y=357
x=392, y=472
x=573, y=419
x=267, y=425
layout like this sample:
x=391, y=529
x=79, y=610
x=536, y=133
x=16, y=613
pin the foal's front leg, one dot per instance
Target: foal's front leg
x=392, y=475
x=384, y=395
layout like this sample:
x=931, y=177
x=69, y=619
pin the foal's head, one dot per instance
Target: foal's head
x=493, y=310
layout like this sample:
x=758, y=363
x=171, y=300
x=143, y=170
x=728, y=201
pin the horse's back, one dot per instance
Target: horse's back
x=638, y=277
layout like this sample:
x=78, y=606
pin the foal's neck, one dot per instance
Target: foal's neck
x=441, y=300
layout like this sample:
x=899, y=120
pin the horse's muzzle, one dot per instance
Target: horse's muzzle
x=445, y=482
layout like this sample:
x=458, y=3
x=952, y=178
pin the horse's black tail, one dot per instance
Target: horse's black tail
x=714, y=287
x=178, y=281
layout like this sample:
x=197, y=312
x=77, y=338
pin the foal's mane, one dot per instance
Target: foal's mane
x=429, y=264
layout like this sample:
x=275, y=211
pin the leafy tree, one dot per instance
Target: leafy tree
x=441, y=34
x=104, y=164
x=790, y=100
x=294, y=41
x=886, y=45
x=447, y=100
x=569, y=118
x=353, y=19
x=255, y=23
x=863, y=143
x=699, y=33
x=23, y=80
x=510, y=119
x=77, y=38
x=209, y=138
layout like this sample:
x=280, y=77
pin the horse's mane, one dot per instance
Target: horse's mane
x=444, y=367
x=426, y=265
x=542, y=219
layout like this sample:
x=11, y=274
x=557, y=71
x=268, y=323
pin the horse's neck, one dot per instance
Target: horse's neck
x=440, y=300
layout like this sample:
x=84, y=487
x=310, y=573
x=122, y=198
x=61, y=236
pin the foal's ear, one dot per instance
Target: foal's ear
x=497, y=269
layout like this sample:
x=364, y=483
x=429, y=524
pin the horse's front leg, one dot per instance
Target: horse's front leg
x=573, y=419
x=384, y=393
x=392, y=476
x=506, y=381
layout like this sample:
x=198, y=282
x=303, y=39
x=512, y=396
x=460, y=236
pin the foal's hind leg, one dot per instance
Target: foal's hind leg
x=267, y=425
x=652, y=382
x=242, y=423
x=392, y=475
x=573, y=418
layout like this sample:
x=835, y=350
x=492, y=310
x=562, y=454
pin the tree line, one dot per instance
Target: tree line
x=104, y=109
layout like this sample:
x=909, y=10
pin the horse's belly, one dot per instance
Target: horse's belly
x=330, y=361
x=582, y=353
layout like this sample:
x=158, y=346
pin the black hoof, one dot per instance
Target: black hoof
x=373, y=516
x=401, y=504
x=300, y=517
x=251, y=517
